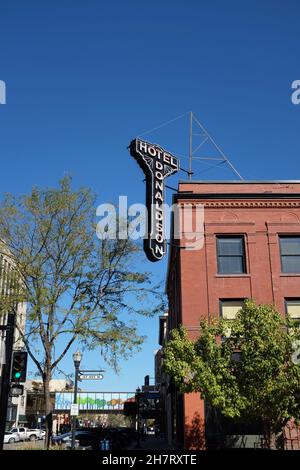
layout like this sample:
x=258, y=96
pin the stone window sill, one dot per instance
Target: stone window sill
x=290, y=275
x=234, y=275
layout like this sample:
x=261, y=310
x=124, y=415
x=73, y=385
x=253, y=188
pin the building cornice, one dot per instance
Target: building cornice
x=242, y=204
x=261, y=195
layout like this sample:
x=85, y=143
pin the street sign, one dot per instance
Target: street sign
x=91, y=376
x=74, y=409
x=16, y=390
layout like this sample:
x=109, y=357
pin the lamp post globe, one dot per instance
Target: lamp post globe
x=77, y=356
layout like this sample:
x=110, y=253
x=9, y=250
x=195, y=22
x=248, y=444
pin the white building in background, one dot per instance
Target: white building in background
x=55, y=385
x=9, y=280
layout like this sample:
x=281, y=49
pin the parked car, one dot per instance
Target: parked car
x=42, y=434
x=82, y=439
x=93, y=438
x=28, y=434
x=11, y=437
x=64, y=439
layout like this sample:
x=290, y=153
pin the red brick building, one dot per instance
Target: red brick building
x=251, y=250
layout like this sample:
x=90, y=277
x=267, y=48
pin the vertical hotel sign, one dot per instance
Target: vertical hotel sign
x=156, y=164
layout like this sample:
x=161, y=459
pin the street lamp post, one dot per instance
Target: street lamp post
x=77, y=356
x=138, y=391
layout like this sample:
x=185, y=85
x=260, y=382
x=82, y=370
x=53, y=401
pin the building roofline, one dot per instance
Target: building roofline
x=238, y=182
x=267, y=195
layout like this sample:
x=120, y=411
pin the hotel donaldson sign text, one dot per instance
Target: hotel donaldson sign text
x=156, y=164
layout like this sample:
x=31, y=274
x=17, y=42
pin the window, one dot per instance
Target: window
x=231, y=255
x=229, y=310
x=293, y=310
x=290, y=254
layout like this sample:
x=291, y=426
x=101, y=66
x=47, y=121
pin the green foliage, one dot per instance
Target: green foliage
x=77, y=287
x=248, y=373
x=117, y=421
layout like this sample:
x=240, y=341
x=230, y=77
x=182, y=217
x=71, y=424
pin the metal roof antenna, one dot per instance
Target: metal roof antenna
x=220, y=156
x=191, y=146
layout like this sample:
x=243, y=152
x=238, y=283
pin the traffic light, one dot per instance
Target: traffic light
x=19, y=366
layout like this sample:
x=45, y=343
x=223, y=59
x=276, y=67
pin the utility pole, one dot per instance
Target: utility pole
x=9, y=329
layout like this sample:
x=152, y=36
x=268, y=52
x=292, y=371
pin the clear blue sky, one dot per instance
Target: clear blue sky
x=84, y=77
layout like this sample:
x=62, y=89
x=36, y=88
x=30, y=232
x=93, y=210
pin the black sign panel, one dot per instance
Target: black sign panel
x=156, y=164
x=16, y=390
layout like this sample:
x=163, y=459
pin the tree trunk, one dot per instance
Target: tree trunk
x=267, y=434
x=270, y=438
x=48, y=407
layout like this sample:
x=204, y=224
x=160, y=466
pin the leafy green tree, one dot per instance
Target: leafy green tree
x=77, y=287
x=117, y=421
x=244, y=367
